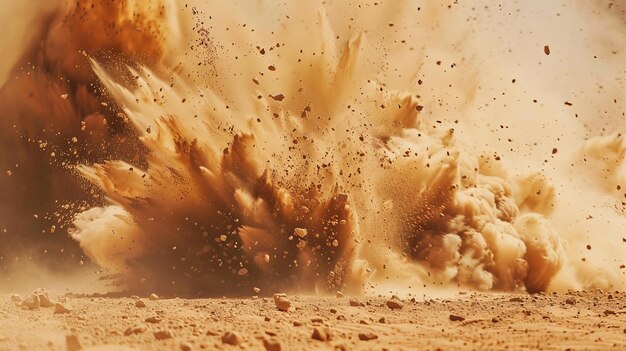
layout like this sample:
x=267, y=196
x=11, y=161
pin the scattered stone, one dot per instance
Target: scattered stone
x=281, y=302
x=140, y=304
x=72, y=343
x=341, y=318
x=516, y=299
x=570, y=301
x=44, y=298
x=367, y=336
x=135, y=329
x=317, y=320
x=339, y=294
x=16, y=298
x=153, y=320
x=456, y=318
x=382, y=320
x=394, y=304
x=356, y=303
x=256, y=290
x=332, y=310
x=153, y=297
x=297, y=324
x=272, y=344
x=608, y=312
x=267, y=319
x=60, y=309
x=322, y=334
x=163, y=335
x=231, y=338
x=31, y=302
x=185, y=347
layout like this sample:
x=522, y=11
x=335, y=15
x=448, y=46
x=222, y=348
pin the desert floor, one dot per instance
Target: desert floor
x=577, y=321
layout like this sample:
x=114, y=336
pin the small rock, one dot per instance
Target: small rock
x=356, y=303
x=256, y=290
x=153, y=297
x=394, y=304
x=231, y=338
x=72, y=343
x=332, y=310
x=341, y=318
x=31, y=302
x=297, y=324
x=317, y=320
x=339, y=294
x=135, y=329
x=456, y=318
x=267, y=319
x=185, y=347
x=570, y=301
x=163, y=334
x=608, y=312
x=44, y=298
x=281, y=302
x=516, y=299
x=60, y=309
x=140, y=303
x=382, y=320
x=367, y=336
x=16, y=298
x=322, y=334
x=153, y=320
x=272, y=344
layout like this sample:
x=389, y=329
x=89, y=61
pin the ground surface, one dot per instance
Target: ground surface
x=578, y=321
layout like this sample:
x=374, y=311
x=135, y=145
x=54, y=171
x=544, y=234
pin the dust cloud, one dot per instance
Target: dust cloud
x=354, y=146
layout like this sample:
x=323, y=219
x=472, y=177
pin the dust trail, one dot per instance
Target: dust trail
x=345, y=146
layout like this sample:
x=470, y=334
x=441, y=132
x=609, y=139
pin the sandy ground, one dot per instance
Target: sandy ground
x=577, y=321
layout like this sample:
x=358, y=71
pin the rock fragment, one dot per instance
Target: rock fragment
x=153, y=320
x=367, y=336
x=72, y=343
x=322, y=334
x=31, y=302
x=231, y=338
x=16, y=298
x=281, y=302
x=153, y=297
x=135, y=329
x=356, y=303
x=394, y=304
x=272, y=344
x=163, y=335
x=60, y=309
x=140, y=304
x=456, y=318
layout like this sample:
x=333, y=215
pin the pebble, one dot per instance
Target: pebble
x=322, y=334
x=153, y=297
x=394, y=304
x=185, y=347
x=256, y=290
x=16, y=298
x=570, y=301
x=231, y=338
x=272, y=344
x=339, y=294
x=140, y=303
x=516, y=299
x=281, y=302
x=367, y=336
x=163, y=334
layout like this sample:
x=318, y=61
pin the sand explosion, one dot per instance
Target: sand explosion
x=285, y=155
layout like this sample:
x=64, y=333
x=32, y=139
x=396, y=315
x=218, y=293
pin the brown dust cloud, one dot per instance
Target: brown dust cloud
x=196, y=147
